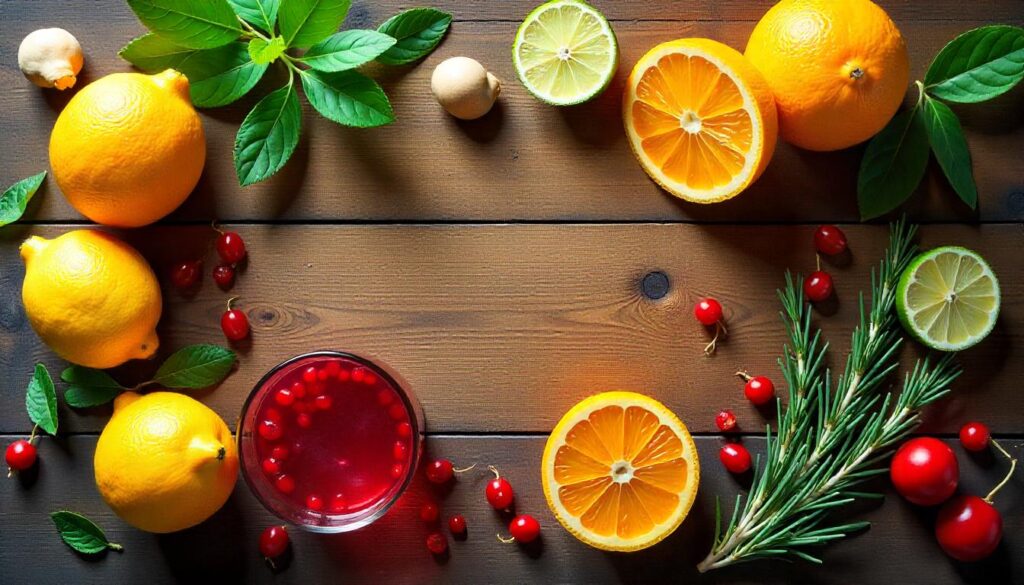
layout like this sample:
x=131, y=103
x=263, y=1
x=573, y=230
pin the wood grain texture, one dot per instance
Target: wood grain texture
x=503, y=328
x=898, y=548
x=524, y=160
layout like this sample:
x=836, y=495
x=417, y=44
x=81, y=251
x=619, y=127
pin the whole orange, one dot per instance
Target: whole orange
x=838, y=69
x=129, y=148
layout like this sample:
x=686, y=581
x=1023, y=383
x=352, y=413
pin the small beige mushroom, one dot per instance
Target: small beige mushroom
x=50, y=57
x=464, y=88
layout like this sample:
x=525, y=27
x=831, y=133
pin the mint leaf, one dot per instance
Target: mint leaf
x=950, y=147
x=268, y=136
x=88, y=387
x=304, y=23
x=348, y=98
x=220, y=76
x=41, y=400
x=263, y=52
x=196, y=24
x=893, y=164
x=978, y=65
x=15, y=199
x=347, y=50
x=417, y=30
x=195, y=366
x=82, y=534
x=261, y=13
x=152, y=53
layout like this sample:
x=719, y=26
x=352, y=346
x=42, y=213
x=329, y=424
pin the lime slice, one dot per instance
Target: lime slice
x=948, y=298
x=565, y=52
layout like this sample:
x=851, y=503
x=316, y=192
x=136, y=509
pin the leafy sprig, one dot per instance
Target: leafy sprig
x=82, y=534
x=224, y=48
x=831, y=437
x=15, y=199
x=978, y=65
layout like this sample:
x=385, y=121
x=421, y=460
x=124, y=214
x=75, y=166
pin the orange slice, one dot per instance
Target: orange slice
x=620, y=471
x=700, y=119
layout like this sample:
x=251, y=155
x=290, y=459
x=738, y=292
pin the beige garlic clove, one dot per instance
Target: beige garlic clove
x=50, y=57
x=464, y=88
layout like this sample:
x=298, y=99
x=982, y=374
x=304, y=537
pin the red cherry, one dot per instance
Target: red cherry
x=974, y=436
x=20, y=455
x=230, y=247
x=396, y=412
x=357, y=374
x=234, y=323
x=708, y=311
x=404, y=430
x=429, y=512
x=758, y=389
x=274, y=541
x=284, y=397
x=397, y=470
x=925, y=471
x=385, y=397
x=313, y=502
x=284, y=484
x=524, y=528
x=186, y=274
x=271, y=466
x=224, y=276
x=725, y=420
x=968, y=528
x=440, y=471
x=304, y=420
x=338, y=503
x=437, y=543
x=322, y=402
x=735, y=457
x=399, y=450
x=829, y=240
x=457, y=524
x=332, y=368
x=270, y=430
x=499, y=491
x=279, y=453
x=818, y=286
x=309, y=375
x=298, y=389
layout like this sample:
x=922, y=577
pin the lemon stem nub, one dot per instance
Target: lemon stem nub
x=221, y=453
x=857, y=73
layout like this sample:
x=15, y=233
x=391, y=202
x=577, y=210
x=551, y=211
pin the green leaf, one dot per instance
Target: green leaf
x=41, y=400
x=268, y=136
x=893, y=164
x=152, y=53
x=15, y=199
x=950, y=148
x=417, y=30
x=347, y=50
x=195, y=366
x=261, y=13
x=978, y=65
x=307, y=22
x=263, y=52
x=82, y=534
x=88, y=387
x=196, y=24
x=220, y=76
x=348, y=98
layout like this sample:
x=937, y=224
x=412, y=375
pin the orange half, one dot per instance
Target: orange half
x=700, y=119
x=620, y=471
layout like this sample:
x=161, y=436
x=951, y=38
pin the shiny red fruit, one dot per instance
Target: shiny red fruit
x=759, y=390
x=440, y=471
x=974, y=436
x=524, y=528
x=20, y=455
x=968, y=528
x=818, y=286
x=230, y=247
x=499, y=493
x=235, y=325
x=186, y=274
x=829, y=240
x=925, y=471
x=725, y=420
x=274, y=541
x=429, y=512
x=708, y=311
x=735, y=457
x=224, y=276
x=437, y=543
x=457, y=524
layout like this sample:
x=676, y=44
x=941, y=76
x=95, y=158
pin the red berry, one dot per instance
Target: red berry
x=974, y=436
x=224, y=276
x=759, y=390
x=357, y=374
x=298, y=389
x=20, y=455
x=925, y=471
x=524, y=528
x=708, y=311
x=304, y=420
x=440, y=471
x=338, y=503
x=735, y=457
x=396, y=412
x=829, y=240
x=284, y=484
x=457, y=524
x=322, y=402
x=234, y=324
x=429, y=512
x=309, y=375
x=273, y=542
x=230, y=247
x=332, y=368
x=186, y=274
x=273, y=415
x=499, y=492
x=404, y=430
x=284, y=397
x=385, y=397
x=397, y=470
x=437, y=543
x=270, y=430
x=279, y=452
x=968, y=528
x=818, y=286
x=399, y=450
x=313, y=502
x=725, y=420
x=271, y=466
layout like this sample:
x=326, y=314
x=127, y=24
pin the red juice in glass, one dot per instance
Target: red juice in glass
x=329, y=441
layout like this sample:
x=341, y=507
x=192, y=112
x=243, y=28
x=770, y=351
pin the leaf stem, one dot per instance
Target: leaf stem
x=251, y=31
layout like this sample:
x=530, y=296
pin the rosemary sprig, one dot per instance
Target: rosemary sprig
x=831, y=437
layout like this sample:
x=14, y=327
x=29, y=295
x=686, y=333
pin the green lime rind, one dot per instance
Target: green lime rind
x=913, y=274
x=613, y=64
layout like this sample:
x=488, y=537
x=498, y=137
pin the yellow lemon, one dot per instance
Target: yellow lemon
x=129, y=148
x=620, y=471
x=164, y=462
x=92, y=298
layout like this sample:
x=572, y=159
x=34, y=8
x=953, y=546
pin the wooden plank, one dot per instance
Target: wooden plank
x=503, y=328
x=516, y=163
x=899, y=547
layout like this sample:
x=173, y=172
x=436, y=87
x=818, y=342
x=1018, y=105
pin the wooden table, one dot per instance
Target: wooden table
x=508, y=268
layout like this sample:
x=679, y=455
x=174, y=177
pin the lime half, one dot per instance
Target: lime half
x=948, y=298
x=565, y=52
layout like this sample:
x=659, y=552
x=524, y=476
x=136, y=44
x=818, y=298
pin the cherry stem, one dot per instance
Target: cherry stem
x=464, y=469
x=720, y=332
x=270, y=563
x=1009, y=474
x=494, y=470
x=817, y=261
x=32, y=435
x=743, y=374
x=231, y=300
x=508, y=540
x=213, y=224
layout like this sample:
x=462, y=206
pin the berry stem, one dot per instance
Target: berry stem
x=213, y=223
x=231, y=300
x=32, y=435
x=465, y=469
x=494, y=470
x=720, y=332
x=508, y=540
x=743, y=374
x=1009, y=474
